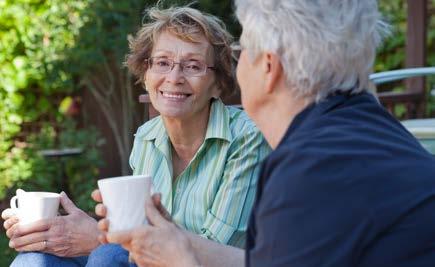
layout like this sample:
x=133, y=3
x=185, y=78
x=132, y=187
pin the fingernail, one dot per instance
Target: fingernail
x=11, y=244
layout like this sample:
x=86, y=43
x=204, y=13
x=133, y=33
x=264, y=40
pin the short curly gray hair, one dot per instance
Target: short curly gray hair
x=186, y=23
x=325, y=46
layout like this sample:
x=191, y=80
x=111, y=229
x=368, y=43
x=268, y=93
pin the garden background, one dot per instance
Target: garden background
x=63, y=85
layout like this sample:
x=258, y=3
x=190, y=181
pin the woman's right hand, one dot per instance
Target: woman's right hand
x=71, y=235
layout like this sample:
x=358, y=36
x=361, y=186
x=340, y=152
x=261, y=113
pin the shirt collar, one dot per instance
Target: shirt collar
x=317, y=109
x=156, y=131
x=219, y=122
x=217, y=127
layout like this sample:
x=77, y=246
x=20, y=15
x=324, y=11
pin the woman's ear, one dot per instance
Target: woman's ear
x=217, y=95
x=216, y=92
x=274, y=71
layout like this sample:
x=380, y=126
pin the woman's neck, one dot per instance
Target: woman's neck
x=275, y=116
x=187, y=134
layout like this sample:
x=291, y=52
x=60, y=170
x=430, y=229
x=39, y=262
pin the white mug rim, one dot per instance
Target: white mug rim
x=122, y=178
x=40, y=194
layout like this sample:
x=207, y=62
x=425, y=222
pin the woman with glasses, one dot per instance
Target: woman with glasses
x=203, y=156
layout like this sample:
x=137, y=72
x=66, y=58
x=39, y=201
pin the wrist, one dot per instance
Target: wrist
x=190, y=255
x=92, y=240
x=191, y=261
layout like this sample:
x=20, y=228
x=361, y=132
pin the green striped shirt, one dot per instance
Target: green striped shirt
x=214, y=195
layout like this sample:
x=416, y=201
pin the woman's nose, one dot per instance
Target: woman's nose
x=176, y=75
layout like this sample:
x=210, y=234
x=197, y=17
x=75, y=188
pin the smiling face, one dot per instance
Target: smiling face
x=174, y=94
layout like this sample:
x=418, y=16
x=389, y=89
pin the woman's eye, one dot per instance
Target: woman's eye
x=162, y=63
x=193, y=66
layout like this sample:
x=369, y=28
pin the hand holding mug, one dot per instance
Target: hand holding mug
x=33, y=206
x=160, y=243
x=74, y=234
x=101, y=211
x=28, y=207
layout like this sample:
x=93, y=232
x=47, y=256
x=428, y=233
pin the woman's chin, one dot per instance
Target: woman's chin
x=173, y=113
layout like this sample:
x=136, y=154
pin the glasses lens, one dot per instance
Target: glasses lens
x=235, y=51
x=161, y=65
x=188, y=67
x=193, y=67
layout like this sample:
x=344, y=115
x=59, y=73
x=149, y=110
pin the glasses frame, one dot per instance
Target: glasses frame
x=236, y=49
x=149, y=62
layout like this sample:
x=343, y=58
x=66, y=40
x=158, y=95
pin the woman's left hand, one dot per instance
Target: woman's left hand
x=161, y=243
x=75, y=234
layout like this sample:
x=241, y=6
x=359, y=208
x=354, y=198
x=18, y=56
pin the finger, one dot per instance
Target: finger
x=103, y=225
x=126, y=246
x=40, y=246
x=120, y=237
x=157, y=198
x=27, y=240
x=10, y=222
x=153, y=215
x=100, y=210
x=135, y=258
x=21, y=230
x=7, y=213
x=67, y=204
x=96, y=195
x=158, y=203
x=10, y=232
x=102, y=238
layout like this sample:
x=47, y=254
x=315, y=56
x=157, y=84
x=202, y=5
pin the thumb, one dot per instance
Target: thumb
x=156, y=198
x=120, y=237
x=66, y=203
x=153, y=215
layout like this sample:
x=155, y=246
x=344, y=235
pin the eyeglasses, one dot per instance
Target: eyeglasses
x=165, y=65
x=236, y=49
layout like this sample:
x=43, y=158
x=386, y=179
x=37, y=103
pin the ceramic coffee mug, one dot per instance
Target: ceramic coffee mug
x=33, y=206
x=124, y=198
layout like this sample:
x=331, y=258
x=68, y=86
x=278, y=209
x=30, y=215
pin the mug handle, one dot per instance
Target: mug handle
x=13, y=203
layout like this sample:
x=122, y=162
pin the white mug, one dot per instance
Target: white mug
x=33, y=206
x=124, y=198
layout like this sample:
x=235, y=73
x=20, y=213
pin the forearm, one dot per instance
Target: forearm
x=213, y=254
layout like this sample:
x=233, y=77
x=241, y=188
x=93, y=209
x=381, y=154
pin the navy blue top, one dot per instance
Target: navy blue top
x=347, y=186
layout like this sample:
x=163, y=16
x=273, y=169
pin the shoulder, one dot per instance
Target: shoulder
x=245, y=138
x=240, y=123
x=350, y=149
x=150, y=129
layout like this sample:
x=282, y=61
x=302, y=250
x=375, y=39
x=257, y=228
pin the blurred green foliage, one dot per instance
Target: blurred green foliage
x=391, y=55
x=42, y=172
x=34, y=36
x=6, y=254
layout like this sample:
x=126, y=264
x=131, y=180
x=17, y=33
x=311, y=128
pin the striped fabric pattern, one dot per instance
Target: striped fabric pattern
x=214, y=195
